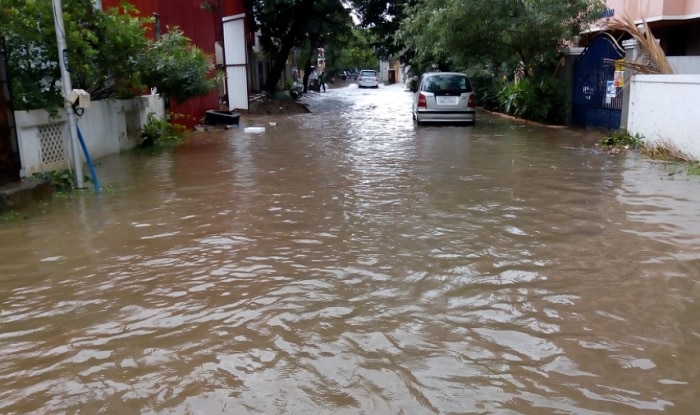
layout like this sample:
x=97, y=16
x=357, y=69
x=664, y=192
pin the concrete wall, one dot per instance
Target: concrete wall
x=685, y=64
x=653, y=10
x=663, y=110
x=107, y=127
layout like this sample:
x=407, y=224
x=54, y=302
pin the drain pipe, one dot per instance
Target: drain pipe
x=95, y=182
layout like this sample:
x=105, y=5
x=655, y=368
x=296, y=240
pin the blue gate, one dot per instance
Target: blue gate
x=595, y=103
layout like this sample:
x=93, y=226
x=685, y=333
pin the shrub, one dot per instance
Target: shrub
x=542, y=101
x=486, y=86
x=177, y=68
x=111, y=55
x=61, y=180
x=160, y=132
x=694, y=169
x=622, y=139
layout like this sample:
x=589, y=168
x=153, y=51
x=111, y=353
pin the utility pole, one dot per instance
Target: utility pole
x=67, y=88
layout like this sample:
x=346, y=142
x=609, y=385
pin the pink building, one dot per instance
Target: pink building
x=676, y=23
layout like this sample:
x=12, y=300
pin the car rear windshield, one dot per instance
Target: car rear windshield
x=447, y=83
x=368, y=73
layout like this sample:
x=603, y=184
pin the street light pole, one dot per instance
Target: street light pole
x=67, y=88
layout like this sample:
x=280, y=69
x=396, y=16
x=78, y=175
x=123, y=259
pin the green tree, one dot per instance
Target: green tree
x=459, y=33
x=110, y=55
x=104, y=51
x=382, y=18
x=356, y=51
x=303, y=24
x=178, y=69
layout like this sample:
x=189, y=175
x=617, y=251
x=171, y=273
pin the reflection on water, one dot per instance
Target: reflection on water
x=345, y=262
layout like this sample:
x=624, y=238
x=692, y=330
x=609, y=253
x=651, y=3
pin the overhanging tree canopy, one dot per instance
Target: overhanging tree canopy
x=110, y=54
x=286, y=24
x=462, y=32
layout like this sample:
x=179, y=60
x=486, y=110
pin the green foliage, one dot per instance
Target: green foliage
x=694, y=169
x=106, y=50
x=412, y=84
x=356, y=52
x=61, y=180
x=458, y=34
x=382, y=19
x=160, y=132
x=103, y=51
x=178, y=69
x=542, y=101
x=303, y=24
x=487, y=86
x=623, y=139
x=110, y=55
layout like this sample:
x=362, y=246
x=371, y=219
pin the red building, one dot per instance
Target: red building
x=219, y=28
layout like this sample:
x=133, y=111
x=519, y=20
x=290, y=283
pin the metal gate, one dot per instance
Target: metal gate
x=597, y=101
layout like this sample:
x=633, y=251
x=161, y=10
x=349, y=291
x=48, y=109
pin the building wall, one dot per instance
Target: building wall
x=685, y=65
x=675, y=23
x=659, y=111
x=107, y=127
x=655, y=10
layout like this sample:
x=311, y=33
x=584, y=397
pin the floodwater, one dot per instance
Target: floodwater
x=347, y=262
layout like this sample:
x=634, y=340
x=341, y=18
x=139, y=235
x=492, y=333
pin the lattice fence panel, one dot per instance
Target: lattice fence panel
x=52, y=142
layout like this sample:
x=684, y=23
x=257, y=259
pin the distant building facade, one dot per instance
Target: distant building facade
x=676, y=23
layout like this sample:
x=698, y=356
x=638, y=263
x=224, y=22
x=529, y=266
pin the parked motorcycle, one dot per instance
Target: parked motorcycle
x=314, y=85
x=297, y=89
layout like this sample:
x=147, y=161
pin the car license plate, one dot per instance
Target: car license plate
x=447, y=100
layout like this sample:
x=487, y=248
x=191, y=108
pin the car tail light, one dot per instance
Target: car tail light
x=472, y=101
x=422, y=103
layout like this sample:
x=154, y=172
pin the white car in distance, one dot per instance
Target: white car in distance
x=368, y=79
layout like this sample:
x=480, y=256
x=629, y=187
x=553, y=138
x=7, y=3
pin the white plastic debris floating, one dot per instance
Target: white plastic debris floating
x=254, y=129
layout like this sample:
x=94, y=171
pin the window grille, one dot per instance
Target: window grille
x=52, y=142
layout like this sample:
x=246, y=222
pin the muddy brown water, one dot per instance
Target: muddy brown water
x=347, y=262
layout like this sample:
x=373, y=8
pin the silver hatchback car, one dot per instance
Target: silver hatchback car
x=368, y=79
x=444, y=97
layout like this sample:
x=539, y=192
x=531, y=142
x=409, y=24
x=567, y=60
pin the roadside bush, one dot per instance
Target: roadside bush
x=61, y=180
x=623, y=139
x=160, y=132
x=486, y=86
x=542, y=101
x=177, y=68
